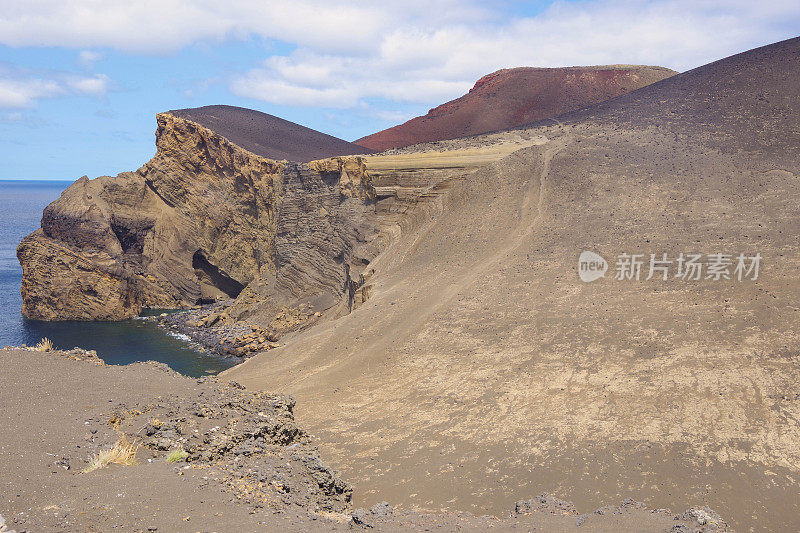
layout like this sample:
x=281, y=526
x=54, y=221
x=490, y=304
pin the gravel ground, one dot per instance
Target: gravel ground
x=244, y=465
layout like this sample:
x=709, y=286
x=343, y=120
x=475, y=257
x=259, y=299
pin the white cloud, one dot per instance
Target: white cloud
x=429, y=63
x=22, y=93
x=156, y=26
x=422, y=51
x=20, y=89
x=284, y=92
x=95, y=85
x=391, y=115
x=87, y=58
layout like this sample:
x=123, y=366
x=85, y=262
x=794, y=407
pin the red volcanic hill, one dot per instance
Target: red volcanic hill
x=513, y=97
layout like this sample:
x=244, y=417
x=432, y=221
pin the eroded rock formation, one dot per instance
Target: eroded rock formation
x=202, y=220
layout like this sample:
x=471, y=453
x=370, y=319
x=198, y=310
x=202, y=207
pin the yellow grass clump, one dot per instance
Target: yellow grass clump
x=177, y=455
x=45, y=345
x=122, y=453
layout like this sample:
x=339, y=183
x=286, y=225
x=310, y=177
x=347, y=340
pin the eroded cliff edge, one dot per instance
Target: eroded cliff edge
x=202, y=220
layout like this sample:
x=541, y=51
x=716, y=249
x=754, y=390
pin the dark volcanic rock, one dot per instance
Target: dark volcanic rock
x=267, y=135
x=250, y=440
x=547, y=502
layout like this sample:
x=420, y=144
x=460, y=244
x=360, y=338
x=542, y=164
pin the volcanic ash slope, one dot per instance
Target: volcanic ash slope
x=482, y=368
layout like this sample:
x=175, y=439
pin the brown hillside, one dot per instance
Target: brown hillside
x=513, y=97
x=482, y=367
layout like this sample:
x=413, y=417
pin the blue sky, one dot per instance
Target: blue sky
x=82, y=80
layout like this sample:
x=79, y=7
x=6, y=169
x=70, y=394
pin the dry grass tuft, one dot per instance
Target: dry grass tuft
x=122, y=453
x=177, y=455
x=45, y=345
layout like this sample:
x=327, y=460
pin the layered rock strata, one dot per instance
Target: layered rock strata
x=203, y=220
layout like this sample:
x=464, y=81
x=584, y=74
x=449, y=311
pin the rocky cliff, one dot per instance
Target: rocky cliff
x=202, y=220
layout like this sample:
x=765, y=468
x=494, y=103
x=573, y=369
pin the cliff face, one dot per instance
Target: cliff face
x=514, y=97
x=200, y=221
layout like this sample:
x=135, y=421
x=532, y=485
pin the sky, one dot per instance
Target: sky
x=82, y=80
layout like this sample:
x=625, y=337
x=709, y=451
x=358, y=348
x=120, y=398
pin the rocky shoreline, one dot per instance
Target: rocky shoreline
x=209, y=327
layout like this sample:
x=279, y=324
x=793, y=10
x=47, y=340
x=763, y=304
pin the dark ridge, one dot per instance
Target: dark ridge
x=268, y=135
x=748, y=100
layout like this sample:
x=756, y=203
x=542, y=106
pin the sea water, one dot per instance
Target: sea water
x=119, y=343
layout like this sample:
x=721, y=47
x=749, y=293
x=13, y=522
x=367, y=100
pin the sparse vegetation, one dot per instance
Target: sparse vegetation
x=122, y=453
x=45, y=345
x=177, y=455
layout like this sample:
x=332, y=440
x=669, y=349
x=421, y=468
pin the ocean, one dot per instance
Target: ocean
x=118, y=343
